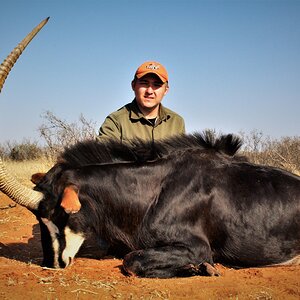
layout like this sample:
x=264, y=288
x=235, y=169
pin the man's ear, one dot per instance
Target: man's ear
x=167, y=89
x=133, y=82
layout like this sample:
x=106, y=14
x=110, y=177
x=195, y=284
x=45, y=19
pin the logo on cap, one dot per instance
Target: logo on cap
x=153, y=67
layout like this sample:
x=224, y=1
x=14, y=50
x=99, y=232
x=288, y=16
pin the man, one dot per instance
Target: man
x=144, y=118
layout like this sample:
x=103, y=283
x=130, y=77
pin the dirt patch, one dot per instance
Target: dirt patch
x=21, y=276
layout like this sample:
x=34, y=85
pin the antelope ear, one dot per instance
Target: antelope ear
x=37, y=177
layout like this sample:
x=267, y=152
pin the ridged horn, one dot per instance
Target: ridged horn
x=9, y=62
x=18, y=192
x=8, y=184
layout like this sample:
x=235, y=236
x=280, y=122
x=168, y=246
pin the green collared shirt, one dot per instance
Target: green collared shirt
x=128, y=123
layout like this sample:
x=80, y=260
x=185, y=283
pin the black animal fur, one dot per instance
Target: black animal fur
x=176, y=207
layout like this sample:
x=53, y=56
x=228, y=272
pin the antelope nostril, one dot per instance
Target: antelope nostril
x=68, y=261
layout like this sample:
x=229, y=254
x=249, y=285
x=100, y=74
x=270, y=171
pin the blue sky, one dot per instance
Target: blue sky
x=233, y=65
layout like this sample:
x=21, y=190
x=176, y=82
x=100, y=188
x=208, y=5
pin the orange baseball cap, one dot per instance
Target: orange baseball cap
x=152, y=67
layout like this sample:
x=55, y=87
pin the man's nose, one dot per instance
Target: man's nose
x=149, y=89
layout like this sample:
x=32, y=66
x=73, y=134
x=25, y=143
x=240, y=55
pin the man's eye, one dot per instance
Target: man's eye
x=158, y=84
x=143, y=82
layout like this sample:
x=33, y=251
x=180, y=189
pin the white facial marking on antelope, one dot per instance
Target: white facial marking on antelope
x=73, y=243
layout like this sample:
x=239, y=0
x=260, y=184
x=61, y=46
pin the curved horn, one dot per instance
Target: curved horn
x=9, y=62
x=18, y=192
x=8, y=184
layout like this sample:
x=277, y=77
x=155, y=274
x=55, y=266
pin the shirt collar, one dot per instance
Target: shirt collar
x=136, y=114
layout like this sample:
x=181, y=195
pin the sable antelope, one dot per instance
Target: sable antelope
x=173, y=208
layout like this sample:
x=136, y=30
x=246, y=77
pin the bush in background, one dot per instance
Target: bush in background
x=282, y=153
x=59, y=134
x=25, y=151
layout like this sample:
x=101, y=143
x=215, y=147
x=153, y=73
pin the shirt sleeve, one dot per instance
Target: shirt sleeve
x=109, y=129
x=182, y=127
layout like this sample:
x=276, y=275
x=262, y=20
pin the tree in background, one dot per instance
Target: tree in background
x=59, y=134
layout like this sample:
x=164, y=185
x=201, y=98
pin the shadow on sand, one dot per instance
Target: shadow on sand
x=31, y=252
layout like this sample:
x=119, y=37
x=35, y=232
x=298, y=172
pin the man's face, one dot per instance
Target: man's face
x=149, y=91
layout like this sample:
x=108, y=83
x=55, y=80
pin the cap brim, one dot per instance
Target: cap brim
x=140, y=75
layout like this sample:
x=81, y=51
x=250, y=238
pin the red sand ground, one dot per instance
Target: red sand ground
x=21, y=276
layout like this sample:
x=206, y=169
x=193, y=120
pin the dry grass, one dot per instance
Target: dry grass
x=22, y=171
